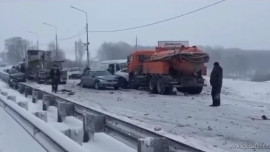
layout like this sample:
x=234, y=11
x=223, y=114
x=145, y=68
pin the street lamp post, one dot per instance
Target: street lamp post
x=36, y=37
x=56, y=43
x=87, y=42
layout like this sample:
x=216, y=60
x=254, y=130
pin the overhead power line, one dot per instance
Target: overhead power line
x=145, y=25
x=158, y=22
x=74, y=36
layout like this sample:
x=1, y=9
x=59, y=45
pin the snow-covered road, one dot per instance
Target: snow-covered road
x=188, y=118
x=13, y=138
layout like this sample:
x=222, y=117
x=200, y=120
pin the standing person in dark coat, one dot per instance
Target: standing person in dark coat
x=55, y=77
x=86, y=69
x=216, y=83
x=22, y=68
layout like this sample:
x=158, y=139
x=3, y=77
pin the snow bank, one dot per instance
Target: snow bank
x=188, y=118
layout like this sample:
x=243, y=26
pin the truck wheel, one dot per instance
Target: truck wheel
x=181, y=89
x=169, y=89
x=160, y=86
x=81, y=84
x=163, y=87
x=153, y=85
x=116, y=87
x=133, y=84
x=195, y=90
x=123, y=83
x=191, y=90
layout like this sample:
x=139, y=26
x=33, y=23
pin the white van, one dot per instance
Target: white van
x=113, y=65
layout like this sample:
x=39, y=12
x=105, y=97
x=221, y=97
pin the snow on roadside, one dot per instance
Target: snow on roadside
x=101, y=143
x=189, y=118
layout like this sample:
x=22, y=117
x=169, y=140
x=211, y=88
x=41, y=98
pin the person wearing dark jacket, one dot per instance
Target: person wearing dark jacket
x=216, y=83
x=55, y=77
x=22, y=68
x=86, y=69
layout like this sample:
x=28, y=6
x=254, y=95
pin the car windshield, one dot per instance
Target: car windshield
x=104, y=66
x=123, y=65
x=101, y=73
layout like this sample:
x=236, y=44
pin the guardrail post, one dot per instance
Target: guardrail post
x=47, y=101
x=21, y=88
x=4, y=93
x=41, y=115
x=12, y=84
x=64, y=109
x=37, y=95
x=76, y=135
x=28, y=91
x=15, y=85
x=151, y=144
x=23, y=105
x=3, y=105
x=12, y=98
x=92, y=123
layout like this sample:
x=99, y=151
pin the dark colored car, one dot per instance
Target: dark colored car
x=16, y=76
x=99, y=79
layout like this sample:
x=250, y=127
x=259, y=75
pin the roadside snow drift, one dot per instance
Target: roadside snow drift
x=188, y=118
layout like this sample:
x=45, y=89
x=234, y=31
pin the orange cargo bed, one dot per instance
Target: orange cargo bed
x=157, y=67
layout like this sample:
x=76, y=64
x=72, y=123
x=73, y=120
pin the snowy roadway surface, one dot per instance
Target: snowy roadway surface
x=13, y=138
x=188, y=118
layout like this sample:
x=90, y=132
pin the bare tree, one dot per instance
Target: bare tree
x=16, y=48
x=56, y=55
x=120, y=50
x=80, y=50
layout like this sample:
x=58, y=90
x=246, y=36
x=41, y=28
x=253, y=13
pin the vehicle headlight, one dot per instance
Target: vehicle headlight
x=102, y=80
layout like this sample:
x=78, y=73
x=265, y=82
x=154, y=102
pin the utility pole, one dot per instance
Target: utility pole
x=56, y=43
x=87, y=42
x=76, y=51
x=136, y=46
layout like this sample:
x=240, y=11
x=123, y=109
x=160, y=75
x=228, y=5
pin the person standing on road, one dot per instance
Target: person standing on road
x=86, y=69
x=55, y=77
x=23, y=66
x=216, y=83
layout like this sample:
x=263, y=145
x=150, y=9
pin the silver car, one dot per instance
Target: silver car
x=99, y=79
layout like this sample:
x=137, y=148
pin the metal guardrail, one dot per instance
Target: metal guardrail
x=140, y=138
x=50, y=139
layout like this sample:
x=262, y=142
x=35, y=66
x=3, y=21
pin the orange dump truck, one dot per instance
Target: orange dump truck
x=171, y=64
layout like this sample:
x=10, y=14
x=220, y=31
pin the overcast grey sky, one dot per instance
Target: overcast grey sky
x=233, y=23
